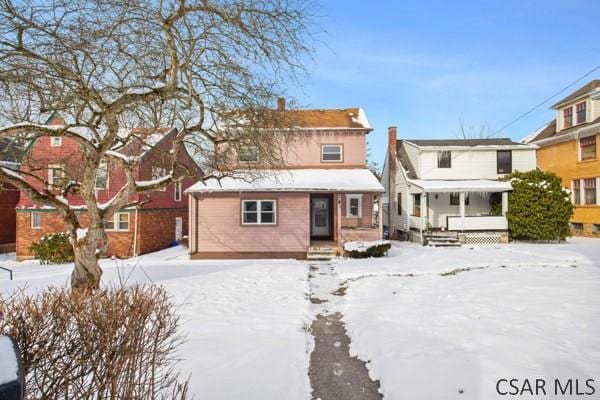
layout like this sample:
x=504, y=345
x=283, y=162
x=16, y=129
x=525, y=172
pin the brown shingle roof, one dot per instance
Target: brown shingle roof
x=579, y=92
x=550, y=130
x=330, y=118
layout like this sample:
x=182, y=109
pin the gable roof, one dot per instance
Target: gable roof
x=549, y=131
x=143, y=140
x=354, y=118
x=582, y=91
x=462, y=142
x=405, y=161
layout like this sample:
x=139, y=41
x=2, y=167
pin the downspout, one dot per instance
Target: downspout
x=135, y=232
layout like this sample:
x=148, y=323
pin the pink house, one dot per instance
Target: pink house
x=323, y=196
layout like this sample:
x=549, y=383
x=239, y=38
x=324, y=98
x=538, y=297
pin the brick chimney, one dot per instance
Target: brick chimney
x=281, y=104
x=392, y=161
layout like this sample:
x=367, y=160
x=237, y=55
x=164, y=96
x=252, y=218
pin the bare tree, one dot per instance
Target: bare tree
x=111, y=66
x=482, y=131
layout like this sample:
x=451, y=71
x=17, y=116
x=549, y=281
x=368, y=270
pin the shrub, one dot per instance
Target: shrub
x=55, y=248
x=116, y=343
x=377, y=248
x=539, y=208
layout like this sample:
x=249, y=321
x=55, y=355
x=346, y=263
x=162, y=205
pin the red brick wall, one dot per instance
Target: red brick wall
x=9, y=197
x=157, y=228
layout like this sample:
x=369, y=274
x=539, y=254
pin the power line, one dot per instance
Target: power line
x=526, y=113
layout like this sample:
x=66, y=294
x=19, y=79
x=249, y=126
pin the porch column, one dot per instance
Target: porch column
x=338, y=217
x=461, y=202
x=380, y=215
x=423, y=218
x=504, y=203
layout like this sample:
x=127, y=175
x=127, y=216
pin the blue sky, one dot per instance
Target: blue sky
x=425, y=66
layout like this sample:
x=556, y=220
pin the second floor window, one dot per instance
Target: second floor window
x=504, y=161
x=157, y=173
x=56, y=176
x=568, y=117
x=102, y=176
x=331, y=153
x=576, y=192
x=589, y=191
x=587, y=148
x=178, y=191
x=444, y=159
x=55, y=141
x=248, y=154
x=580, y=110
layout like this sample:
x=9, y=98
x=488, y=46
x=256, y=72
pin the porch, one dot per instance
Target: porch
x=474, y=210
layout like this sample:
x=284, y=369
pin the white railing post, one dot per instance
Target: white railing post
x=461, y=198
x=504, y=203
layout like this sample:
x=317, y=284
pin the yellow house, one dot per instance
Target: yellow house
x=569, y=147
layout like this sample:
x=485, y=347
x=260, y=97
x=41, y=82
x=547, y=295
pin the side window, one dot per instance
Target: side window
x=36, y=220
x=504, y=161
x=259, y=212
x=354, y=205
x=332, y=153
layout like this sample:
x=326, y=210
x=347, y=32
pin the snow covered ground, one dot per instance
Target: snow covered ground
x=432, y=322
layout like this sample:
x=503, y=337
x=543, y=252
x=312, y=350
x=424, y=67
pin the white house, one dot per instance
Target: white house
x=448, y=188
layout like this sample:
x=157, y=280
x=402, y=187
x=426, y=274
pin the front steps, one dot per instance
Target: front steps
x=321, y=253
x=442, y=239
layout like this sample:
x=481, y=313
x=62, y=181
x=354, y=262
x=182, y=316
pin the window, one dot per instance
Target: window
x=577, y=227
x=596, y=228
x=417, y=205
x=248, y=154
x=587, y=148
x=577, y=192
x=589, y=191
x=119, y=222
x=504, y=161
x=444, y=159
x=102, y=176
x=177, y=191
x=399, y=203
x=331, y=153
x=157, y=173
x=354, y=205
x=55, y=141
x=568, y=117
x=259, y=212
x=455, y=199
x=36, y=220
x=56, y=175
x=580, y=112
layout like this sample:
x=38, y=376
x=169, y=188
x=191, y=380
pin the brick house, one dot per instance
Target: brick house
x=9, y=196
x=321, y=196
x=153, y=225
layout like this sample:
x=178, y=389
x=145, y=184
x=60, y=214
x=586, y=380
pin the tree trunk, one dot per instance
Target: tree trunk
x=87, y=272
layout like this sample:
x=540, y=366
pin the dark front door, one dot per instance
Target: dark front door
x=320, y=216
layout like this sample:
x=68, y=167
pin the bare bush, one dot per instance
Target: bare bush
x=111, y=344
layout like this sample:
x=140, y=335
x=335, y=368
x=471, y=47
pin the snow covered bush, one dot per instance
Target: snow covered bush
x=539, y=207
x=378, y=248
x=55, y=248
x=107, y=344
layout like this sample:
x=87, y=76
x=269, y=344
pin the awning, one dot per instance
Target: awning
x=293, y=180
x=471, y=185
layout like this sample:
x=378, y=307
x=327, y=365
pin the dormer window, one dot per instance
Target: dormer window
x=55, y=141
x=444, y=159
x=568, y=117
x=580, y=110
x=331, y=153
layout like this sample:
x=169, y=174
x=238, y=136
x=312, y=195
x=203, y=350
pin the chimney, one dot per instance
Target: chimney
x=281, y=104
x=392, y=140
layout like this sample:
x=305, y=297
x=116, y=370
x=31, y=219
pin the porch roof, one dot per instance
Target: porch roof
x=471, y=185
x=293, y=180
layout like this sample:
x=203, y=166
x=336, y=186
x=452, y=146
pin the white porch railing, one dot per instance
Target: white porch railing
x=477, y=223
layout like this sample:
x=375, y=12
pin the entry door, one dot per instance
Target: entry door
x=320, y=219
x=178, y=228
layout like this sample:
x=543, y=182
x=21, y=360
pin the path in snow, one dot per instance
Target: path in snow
x=334, y=374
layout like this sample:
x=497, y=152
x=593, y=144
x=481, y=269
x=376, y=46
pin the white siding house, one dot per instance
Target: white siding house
x=450, y=186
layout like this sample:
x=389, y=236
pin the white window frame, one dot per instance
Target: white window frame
x=177, y=191
x=349, y=198
x=39, y=214
x=103, y=164
x=157, y=173
x=580, y=153
x=55, y=144
x=115, y=221
x=258, y=211
x=341, y=151
x=51, y=168
x=255, y=150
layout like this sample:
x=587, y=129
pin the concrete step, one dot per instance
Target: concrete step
x=321, y=253
x=435, y=243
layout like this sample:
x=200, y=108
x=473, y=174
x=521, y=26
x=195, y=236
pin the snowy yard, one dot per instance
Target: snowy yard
x=430, y=321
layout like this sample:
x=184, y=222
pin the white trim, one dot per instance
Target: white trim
x=53, y=138
x=176, y=186
x=40, y=216
x=258, y=212
x=350, y=197
x=115, y=221
x=341, y=151
x=51, y=168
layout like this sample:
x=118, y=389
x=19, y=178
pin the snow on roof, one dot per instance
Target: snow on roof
x=8, y=363
x=295, y=180
x=529, y=138
x=471, y=185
